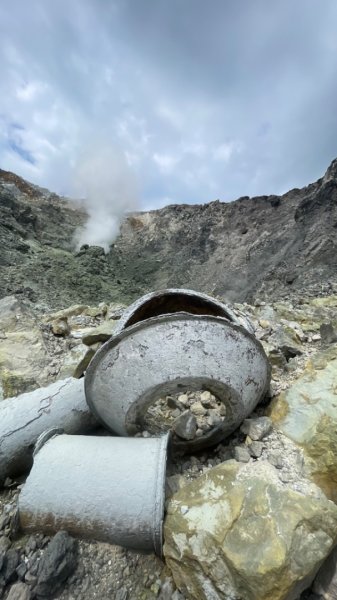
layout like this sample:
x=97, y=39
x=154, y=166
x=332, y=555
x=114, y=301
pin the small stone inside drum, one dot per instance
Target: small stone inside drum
x=189, y=415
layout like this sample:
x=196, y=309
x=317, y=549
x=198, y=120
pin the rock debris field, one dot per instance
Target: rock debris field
x=253, y=518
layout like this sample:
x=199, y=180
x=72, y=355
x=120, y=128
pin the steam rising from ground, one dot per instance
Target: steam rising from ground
x=108, y=188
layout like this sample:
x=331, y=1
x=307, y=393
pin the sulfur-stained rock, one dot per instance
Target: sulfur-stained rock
x=101, y=333
x=14, y=383
x=307, y=413
x=65, y=313
x=115, y=311
x=237, y=533
x=60, y=326
x=258, y=428
x=84, y=363
x=71, y=359
x=312, y=314
x=23, y=353
x=287, y=340
x=97, y=311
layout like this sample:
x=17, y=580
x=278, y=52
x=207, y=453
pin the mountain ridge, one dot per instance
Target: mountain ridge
x=266, y=246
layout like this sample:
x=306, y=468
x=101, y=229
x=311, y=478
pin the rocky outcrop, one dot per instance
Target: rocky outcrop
x=307, y=413
x=23, y=352
x=237, y=533
x=38, y=349
x=253, y=247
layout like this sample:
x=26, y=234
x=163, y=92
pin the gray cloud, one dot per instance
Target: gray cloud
x=206, y=100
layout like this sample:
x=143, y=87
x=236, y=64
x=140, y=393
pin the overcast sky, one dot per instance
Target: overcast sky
x=206, y=100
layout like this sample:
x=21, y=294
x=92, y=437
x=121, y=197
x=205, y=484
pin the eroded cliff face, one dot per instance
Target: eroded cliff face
x=267, y=246
x=254, y=246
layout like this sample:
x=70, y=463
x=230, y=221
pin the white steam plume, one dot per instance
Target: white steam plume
x=108, y=188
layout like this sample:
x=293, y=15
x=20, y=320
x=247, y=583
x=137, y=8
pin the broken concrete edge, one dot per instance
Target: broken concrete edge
x=141, y=309
x=118, y=424
x=159, y=513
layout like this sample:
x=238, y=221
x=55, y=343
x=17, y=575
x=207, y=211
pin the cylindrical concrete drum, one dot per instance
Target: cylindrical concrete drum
x=102, y=488
x=172, y=300
x=23, y=418
x=175, y=353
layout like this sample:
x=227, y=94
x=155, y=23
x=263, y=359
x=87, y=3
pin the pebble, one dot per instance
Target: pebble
x=258, y=428
x=275, y=459
x=166, y=590
x=19, y=591
x=57, y=563
x=255, y=449
x=183, y=398
x=185, y=426
x=198, y=409
x=11, y=562
x=328, y=334
x=241, y=454
x=173, y=403
x=206, y=399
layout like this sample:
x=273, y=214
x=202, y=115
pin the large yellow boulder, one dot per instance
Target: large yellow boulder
x=307, y=413
x=23, y=353
x=238, y=533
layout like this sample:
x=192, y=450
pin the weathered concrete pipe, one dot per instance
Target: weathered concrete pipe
x=172, y=300
x=103, y=488
x=23, y=418
x=174, y=353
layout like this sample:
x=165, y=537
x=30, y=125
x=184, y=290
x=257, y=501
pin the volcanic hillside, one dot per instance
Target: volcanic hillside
x=267, y=246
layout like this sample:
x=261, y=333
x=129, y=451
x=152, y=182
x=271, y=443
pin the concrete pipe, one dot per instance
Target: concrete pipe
x=23, y=418
x=175, y=353
x=107, y=489
x=170, y=301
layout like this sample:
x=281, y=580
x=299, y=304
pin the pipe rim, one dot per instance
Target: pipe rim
x=159, y=512
x=228, y=313
x=193, y=445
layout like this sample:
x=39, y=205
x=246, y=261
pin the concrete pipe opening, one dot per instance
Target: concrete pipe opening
x=172, y=301
x=194, y=409
x=174, y=353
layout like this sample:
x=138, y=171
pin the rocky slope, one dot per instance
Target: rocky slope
x=267, y=246
x=275, y=456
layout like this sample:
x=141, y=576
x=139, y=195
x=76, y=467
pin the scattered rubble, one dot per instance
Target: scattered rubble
x=131, y=576
x=57, y=563
x=189, y=415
